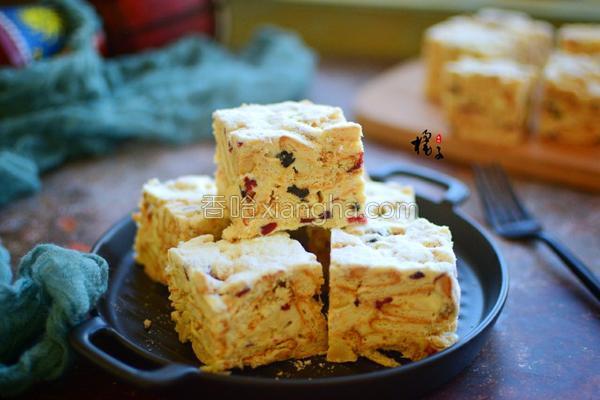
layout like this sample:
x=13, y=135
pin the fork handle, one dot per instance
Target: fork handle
x=576, y=266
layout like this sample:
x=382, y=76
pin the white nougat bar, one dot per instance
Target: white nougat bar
x=171, y=212
x=247, y=303
x=392, y=286
x=288, y=165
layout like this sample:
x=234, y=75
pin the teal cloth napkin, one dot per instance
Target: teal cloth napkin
x=54, y=291
x=79, y=104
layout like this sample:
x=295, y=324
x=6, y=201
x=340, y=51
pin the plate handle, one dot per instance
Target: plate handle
x=456, y=191
x=82, y=340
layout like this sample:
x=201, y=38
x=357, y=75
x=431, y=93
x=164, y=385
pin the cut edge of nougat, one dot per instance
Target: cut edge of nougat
x=162, y=219
x=238, y=129
x=570, y=99
x=508, y=80
x=350, y=271
x=202, y=276
x=487, y=34
x=579, y=38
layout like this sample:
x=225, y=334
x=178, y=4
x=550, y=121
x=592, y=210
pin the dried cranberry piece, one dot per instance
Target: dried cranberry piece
x=240, y=144
x=286, y=158
x=249, y=185
x=300, y=192
x=381, y=303
x=358, y=219
x=242, y=292
x=359, y=162
x=417, y=275
x=268, y=228
x=285, y=307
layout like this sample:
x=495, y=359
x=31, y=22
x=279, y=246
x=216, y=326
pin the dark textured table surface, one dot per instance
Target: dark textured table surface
x=545, y=345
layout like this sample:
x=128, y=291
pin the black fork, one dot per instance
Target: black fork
x=509, y=218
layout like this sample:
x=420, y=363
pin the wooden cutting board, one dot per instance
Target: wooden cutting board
x=392, y=109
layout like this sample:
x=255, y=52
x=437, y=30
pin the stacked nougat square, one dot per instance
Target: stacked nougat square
x=570, y=106
x=245, y=293
x=487, y=70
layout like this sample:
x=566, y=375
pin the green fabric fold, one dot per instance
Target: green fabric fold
x=55, y=289
x=18, y=176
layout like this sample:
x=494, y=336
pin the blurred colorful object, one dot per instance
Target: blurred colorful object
x=79, y=104
x=134, y=25
x=29, y=33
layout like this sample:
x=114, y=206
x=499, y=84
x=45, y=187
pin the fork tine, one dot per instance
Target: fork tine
x=505, y=182
x=507, y=209
x=486, y=196
x=502, y=206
